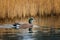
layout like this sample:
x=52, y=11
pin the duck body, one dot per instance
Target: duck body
x=24, y=26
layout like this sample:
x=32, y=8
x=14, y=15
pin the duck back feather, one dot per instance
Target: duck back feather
x=24, y=26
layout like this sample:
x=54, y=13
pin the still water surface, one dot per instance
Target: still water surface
x=30, y=36
x=38, y=35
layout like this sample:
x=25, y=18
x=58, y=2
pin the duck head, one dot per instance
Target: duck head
x=31, y=20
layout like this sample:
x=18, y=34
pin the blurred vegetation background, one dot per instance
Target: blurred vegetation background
x=45, y=12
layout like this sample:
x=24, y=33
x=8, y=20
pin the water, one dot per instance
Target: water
x=30, y=36
x=36, y=35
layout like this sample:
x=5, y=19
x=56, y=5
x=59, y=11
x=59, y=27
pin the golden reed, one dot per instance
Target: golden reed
x=46, y=12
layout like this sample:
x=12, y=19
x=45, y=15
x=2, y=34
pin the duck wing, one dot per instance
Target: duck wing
x=24, y=26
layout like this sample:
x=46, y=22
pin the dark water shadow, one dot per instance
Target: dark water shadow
x=9, y=37
x=43, y=36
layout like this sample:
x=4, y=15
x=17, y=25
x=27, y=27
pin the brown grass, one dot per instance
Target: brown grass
x=26, y=8
x=12, y=10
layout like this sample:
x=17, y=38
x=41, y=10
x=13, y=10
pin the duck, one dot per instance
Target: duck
x=24, y=26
